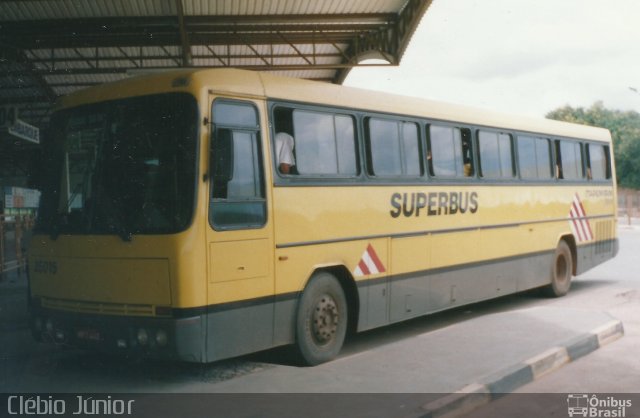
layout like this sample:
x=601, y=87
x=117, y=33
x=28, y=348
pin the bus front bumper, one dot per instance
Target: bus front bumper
x=154, y=337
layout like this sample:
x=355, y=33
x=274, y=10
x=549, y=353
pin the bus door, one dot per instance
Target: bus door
x=239, y=236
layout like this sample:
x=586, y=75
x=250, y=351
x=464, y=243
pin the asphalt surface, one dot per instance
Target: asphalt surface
x=611, y=373
x=458, y=366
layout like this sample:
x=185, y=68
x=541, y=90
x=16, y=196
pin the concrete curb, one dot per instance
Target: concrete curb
x=510, y=378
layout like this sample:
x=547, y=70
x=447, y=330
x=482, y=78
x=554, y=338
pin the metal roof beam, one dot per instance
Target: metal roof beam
x=392, y=41
x=300, y=54
x=114, y=21
x=408, y=21
x=260, y=67
x=133, y=58
x=110, y=25
x=184, y=37
x=50, y=48
x=20, y=57
x=89, y=63
x=216, y=56
x=126, y=57
x=24, y=99
x=255, y=51
x=171, y=39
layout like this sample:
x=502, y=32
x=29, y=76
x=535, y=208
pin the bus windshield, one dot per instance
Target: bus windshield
x=121, y=167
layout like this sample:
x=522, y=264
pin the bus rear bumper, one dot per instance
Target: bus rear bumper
x=153, y=337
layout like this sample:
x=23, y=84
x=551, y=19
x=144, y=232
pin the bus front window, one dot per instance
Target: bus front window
x=123, y=167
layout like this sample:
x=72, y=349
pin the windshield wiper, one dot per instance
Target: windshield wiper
x=54, y=232
x=125, y=234
x=121, y=230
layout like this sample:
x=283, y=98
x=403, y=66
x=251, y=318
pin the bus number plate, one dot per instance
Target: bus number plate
x=88, y=335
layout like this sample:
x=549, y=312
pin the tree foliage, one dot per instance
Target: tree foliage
x=625, y=132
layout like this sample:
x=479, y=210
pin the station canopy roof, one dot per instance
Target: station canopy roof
x=51, y=48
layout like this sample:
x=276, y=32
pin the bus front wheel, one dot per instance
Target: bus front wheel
x=561, y=271
x=321, y=322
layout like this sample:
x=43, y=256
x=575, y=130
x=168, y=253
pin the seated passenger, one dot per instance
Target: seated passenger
x=284, y=152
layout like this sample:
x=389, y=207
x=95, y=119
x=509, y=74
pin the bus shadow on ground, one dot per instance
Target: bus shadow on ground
x=114, y=373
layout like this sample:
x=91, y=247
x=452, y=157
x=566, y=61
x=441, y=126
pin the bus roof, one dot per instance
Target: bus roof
x=255, y=84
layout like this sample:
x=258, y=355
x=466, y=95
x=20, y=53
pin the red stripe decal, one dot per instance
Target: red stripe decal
x=576, y=225
x=375, y=259
x=363, y=268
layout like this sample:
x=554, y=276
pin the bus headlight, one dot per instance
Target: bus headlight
x=38, y=324
x=143, y=336
x=161, y=338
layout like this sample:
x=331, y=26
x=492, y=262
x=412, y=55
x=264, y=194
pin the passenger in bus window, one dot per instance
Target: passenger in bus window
x=284, y=152
x=466, y=152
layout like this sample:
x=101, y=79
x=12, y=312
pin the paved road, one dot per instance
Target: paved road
x=612, y=290
x=614, y=369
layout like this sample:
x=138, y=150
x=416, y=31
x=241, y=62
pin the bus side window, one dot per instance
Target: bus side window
x=393, y=148
x=569, y=160
x=450, y=152
x=222, y=162
x=534, y=158
x=598, y=163
x=559, y=173
x=496, y=155
x=467, y=152
x=284, y=141
x=237, y=180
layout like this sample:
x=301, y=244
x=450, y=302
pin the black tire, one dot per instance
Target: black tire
x=35, y=333
x=321, y=322
x=561, y=271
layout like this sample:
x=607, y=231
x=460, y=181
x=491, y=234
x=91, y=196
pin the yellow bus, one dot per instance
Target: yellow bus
x=201, y=215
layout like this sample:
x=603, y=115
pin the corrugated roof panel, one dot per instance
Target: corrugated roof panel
x=77, y=54
x=313, y=74
x=267, y=50
x=58, y=53
x=109, y=53
x=8, y=65
x=75, y=9
x=61, y=91
x=208, y=62
x=11, y=82
x=234, y=7
x=153, y=63
x=84, y=79
x=71, y=65
x=21, y=92
x=108, y=78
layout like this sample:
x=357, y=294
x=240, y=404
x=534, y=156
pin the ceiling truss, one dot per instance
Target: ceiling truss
x=41, y=59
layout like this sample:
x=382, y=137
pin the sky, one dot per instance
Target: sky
x=524, y=57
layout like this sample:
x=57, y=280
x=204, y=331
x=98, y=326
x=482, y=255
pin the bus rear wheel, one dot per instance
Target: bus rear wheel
x=561, y=271
x=321, y=322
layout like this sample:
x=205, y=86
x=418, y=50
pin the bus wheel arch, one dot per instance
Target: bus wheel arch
x=563, y=267
x=324, y=315
x=571, y=242
x=351, y=292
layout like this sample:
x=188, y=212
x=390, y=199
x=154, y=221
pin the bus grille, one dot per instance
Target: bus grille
x=605, y=232
x=98, y=307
